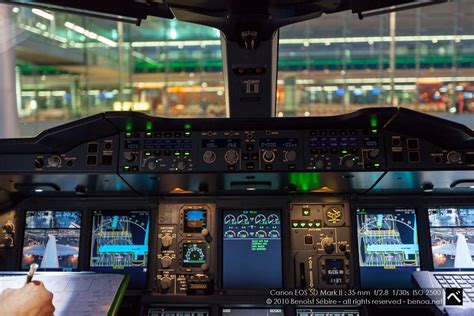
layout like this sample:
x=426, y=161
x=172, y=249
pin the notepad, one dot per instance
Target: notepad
x=76, y=293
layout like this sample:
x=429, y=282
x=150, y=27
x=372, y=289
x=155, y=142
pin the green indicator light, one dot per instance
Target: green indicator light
x=187, y=134
x=126, y=168
x=377, y=165
x=373, y=121
x=128, y=125
x=177, y=153
x=344, y=152
x=187, y=153
x=128, y=134
x=295, y=224
x=147, y=153
x=148, y=134
x=306, y=211
x=317, y=223
x=149, y=125
x=374, y=131
x=303, y=224
x=187, y=126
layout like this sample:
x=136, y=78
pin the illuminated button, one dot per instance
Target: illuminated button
x=310, y=224
x=303, y=224
x=308, y=240
x=295, y=224
x=317, y=223
x=128, y=135
x=148, y=134
x=306, y=211
x=187, y=134
x=126, y=168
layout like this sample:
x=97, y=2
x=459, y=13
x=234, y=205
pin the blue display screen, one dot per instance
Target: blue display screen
x=252, y=254
x=194, y=220
x=388, y=247
x=120, y=244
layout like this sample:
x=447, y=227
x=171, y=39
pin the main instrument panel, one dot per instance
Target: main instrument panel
x=209, y=216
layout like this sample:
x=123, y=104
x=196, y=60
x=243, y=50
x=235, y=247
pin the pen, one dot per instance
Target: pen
x=31, y=273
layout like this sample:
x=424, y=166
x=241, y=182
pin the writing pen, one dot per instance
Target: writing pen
x=31, y=273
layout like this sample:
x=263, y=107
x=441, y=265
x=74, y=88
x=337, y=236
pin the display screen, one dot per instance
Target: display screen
x=452, y=237
x=194, y=220
x=252, y=254
x=326, y=312
x=52, y=240
x=388, y=247
x=194, y=255
x=119, y=244
x=252, y=312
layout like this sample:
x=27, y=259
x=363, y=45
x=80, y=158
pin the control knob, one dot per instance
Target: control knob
x=454, y=157
x=319, y=164
x=373, y=153
x=166, y=262
x=268, y=156
x=54, y=161
x=39, y=163
x=151, y=163
x=290, y=155
x=209, y=156
x=130, y=156
x=165, y=283
x=348, y=162
x=231, y=157
x=328, y=245
x=9, y=227
x=181, y=165
x=166, y=241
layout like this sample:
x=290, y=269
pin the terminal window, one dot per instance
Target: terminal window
x=388, y=247
x=51, y=240
x=452, y=237
x=252, y=254
x=120, y=244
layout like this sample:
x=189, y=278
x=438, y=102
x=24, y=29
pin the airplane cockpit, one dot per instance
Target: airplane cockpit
x=253, y=212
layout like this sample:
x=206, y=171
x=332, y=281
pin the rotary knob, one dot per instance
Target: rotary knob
x=151, y=163
x=319, y=164
x=348, y=163
x=181, y=165
x=268, y=156
x=209, y=156
x=231, y=157
x=165, y=283
x=290, y=155
x=166, y=241
x=373, y=153
x=129, y=156
x=454, y=157
x=54, y=161
x=9, y=227
x=166, y=262
x=327, y=244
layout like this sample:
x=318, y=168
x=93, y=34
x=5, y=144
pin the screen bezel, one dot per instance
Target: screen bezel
x=118, y=210
x=384, y=206
x=430, y=248
x=81, y=237
x=224, y=209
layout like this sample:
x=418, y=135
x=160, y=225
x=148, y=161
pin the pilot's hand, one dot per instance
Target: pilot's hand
x=32, y=299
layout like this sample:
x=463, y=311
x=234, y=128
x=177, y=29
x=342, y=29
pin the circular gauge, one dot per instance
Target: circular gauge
x=273, y=219
x=274, y=234
x=260, y=219
x=230, y=234
x=261, y=234
x=195, y=253
x=243, y=234
x=242, y=219
x=229, y=219
x=333, y=215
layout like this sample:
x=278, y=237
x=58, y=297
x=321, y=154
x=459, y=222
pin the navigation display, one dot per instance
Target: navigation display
x=452, y=237
x=252, y=312
x=194, y=255
x=52, y=240
x=388, y=247
x=120, y=244
x=252, y=254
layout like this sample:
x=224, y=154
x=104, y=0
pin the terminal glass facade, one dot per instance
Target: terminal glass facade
x=69, y=66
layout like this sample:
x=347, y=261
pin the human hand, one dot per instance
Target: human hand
x=32, y=299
